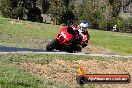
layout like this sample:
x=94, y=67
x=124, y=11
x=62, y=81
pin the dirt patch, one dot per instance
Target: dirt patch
x=65, y=71
x=15, y=22
x=97, y=50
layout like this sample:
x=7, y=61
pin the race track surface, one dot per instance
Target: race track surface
x=13, y=50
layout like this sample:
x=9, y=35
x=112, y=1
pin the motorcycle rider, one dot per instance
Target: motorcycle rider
x=82, y=28
x=70, y=28
x=79, y=31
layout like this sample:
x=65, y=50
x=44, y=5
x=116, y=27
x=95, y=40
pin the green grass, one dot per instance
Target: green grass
x=12, y=76
x=27, y=34
x=27, y=29
x=47, y=58
x=30, y=34
x=120, y=43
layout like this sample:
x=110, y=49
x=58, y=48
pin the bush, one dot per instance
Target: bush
x=34, y=14
x=121, y=24
x=18, y=12
x=129, y=25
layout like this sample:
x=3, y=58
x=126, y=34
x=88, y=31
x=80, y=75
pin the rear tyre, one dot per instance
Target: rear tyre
x=79, y=48
x=70, y=51
x=51, y=45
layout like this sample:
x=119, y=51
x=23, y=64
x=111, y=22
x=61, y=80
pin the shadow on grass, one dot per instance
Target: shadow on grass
x=16, y=49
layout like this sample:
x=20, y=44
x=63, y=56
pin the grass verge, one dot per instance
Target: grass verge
x=27, y=34
x=11, y=76
x=117, y=42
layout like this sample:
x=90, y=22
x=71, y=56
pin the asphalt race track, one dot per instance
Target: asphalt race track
x=7, y=50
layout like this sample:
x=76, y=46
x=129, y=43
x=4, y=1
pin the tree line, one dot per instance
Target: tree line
x=101, y=14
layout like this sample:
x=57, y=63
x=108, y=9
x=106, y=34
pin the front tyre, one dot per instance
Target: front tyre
x=51, y=45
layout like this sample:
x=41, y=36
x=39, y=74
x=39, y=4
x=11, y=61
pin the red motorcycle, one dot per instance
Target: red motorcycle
x=68, y=40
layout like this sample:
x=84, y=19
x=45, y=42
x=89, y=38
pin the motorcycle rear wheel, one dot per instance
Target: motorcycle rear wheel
x=79, y=49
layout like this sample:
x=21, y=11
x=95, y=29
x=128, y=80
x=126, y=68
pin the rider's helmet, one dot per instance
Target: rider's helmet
x=83, y=25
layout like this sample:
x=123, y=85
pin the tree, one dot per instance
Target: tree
x=18, y=9
x=6, y=7
x=45, y=6
x=61, y=11
x=93, y=13
x=34, y=14
x=21, y=8
x=116, y=7
x=56, y=8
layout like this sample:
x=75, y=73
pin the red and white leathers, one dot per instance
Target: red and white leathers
x=83, y=34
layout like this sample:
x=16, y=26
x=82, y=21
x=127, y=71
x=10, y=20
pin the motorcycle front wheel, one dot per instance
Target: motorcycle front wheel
x=51, y=45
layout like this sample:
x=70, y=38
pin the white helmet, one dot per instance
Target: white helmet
x=84, y=25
